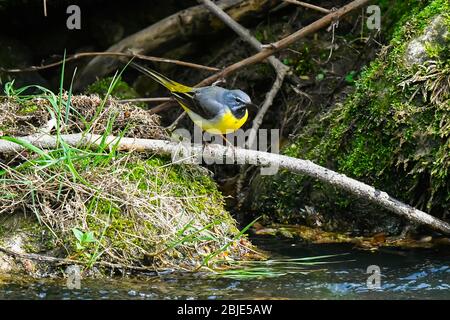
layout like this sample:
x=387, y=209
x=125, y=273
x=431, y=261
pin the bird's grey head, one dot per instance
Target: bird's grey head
x=237, y=101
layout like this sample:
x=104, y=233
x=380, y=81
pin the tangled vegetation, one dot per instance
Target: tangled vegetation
x=393, y=132
x=99, y=206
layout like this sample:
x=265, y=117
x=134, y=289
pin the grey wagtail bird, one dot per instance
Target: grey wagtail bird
x=214, y=109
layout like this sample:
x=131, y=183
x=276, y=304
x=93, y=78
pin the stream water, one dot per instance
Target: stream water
x=405, y=274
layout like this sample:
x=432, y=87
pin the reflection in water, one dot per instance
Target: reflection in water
x=404, y=275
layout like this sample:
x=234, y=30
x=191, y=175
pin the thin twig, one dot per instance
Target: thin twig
x=308, y=5
x=135, y=100
x=161, y=107
x=266, y=105
x=177, y=120
x=112, y=54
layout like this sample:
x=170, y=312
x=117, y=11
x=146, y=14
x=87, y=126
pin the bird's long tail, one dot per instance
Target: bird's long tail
x=161, y=79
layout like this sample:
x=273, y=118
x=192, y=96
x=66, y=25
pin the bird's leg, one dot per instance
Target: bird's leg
x=231, y=145
x=228, y=142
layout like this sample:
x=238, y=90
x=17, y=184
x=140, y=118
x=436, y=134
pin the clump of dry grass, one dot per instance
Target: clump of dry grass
x=433, y=81
x=17, y=119
x=20, y=117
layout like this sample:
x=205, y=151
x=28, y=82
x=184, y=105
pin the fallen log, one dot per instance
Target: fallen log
x=218, y=153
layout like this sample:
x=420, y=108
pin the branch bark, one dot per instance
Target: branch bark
x=220, y=153
x=308, y=5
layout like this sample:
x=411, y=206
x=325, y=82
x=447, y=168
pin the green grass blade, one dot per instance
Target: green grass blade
x=225, y=247
x=69, y=98
x=27, y=145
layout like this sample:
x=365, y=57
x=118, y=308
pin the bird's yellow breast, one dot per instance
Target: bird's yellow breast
x=226, y=123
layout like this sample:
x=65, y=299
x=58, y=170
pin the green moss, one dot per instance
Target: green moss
x=28, y=108
x=34, y=238
x=121, y=91
x=387, y=133
x=131, y=237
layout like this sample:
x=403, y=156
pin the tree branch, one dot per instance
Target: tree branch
x=112, y=54
x=285, y=42
x=220, y=153
x=308, y=5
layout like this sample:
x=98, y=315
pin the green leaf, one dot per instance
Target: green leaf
x=78, y=234
x=88, y=237
x=350, y=77
x=320, y=77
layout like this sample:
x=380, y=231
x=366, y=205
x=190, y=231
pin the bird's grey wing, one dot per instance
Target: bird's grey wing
x=203, y=101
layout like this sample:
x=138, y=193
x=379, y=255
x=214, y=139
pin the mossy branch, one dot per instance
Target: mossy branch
x=220, y=153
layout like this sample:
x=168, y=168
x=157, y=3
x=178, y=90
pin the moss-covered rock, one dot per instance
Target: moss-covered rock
x=103, y=208
x=126, y=211
x=392, y=132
